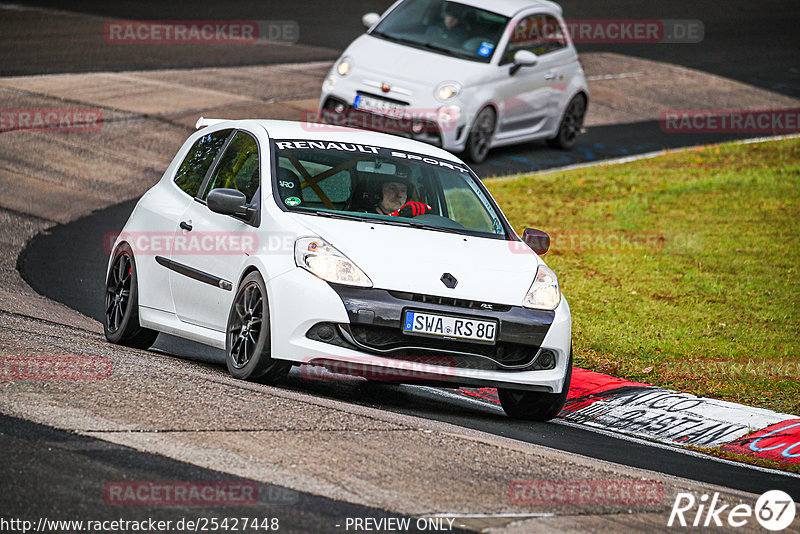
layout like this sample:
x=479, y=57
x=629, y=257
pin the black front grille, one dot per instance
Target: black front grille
x=449, y=301
x=392, y=343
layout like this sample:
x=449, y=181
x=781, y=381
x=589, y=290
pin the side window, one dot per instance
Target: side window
x=238, y=168
x=197, y=161
x=336, y=188
x=539, y=34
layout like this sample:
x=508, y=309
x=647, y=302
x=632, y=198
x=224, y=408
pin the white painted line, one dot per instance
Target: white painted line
x=617, y=435
x=614, y=76
x=645, y=155
x=489, y=516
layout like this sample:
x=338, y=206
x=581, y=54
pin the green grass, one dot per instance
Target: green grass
x=681, y=270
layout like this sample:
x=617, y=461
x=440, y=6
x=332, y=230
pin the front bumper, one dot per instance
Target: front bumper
x=366, y=334
x=421, y=122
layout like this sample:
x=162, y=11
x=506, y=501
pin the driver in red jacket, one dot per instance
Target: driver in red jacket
x=394, y=200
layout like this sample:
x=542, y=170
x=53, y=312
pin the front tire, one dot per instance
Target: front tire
x=121, y=318
x=247, y=338
x=571, y=124
x=480, y=136
x=534, y=405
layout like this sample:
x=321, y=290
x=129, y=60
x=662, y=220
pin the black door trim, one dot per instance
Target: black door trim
x=193, y=273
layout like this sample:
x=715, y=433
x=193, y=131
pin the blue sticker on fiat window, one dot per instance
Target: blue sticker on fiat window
x=486, y=49
x=409, y=321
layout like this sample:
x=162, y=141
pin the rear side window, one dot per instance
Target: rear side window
x=197, y=161
x=238, y=168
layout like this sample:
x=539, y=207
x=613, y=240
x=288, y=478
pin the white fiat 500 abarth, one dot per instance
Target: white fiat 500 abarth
x=465, y=76
x=290, y=243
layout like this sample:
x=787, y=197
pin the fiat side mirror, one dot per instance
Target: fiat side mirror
x=370, y=19
x=523, y=58
x=536, y=239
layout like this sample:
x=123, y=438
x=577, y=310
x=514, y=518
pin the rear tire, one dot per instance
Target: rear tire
x=534, y=405
x=121, y=312
x=571, y=124
x=247, y=338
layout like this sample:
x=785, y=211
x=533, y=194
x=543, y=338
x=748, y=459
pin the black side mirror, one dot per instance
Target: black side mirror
x=229, y=202
x=537, y=240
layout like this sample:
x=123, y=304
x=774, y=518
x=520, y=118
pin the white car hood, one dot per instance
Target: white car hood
x=414, y=260
x=394, y=62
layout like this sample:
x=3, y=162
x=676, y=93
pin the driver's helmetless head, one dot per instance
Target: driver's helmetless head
x=452, y=15
x=395, y=195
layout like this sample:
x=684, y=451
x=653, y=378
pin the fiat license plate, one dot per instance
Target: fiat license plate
x=379, y=106
x=427, y=324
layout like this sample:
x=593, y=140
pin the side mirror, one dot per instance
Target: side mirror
x=228, y=202
x=537, y=240
x=523, y=58
x=370, y=19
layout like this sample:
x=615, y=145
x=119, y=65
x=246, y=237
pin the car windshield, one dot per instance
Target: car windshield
x=370, y=183
x=444, y=27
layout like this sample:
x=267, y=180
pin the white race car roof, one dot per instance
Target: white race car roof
x=278, y=129
x=509, y=8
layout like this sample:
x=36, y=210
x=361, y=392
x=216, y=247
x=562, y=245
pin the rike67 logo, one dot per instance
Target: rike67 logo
x=774, y=510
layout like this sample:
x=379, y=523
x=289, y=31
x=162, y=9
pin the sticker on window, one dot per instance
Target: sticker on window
x=292, y=202
x=485, y=49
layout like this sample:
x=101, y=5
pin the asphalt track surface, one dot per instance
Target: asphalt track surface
x=77, y=250
x=38, y=454
x=755, y=43
x=752, y=42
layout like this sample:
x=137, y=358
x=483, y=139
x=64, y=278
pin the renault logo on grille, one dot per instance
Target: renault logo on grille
x=449, y=280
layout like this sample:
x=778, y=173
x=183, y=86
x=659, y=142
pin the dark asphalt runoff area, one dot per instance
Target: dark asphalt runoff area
x=77, y=251
x=59, y=476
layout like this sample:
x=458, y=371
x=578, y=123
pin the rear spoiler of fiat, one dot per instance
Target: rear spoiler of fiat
x=202, y=122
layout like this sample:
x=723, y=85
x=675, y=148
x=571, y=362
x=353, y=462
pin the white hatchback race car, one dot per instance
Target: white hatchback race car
x=301, y=244
x=465, y=76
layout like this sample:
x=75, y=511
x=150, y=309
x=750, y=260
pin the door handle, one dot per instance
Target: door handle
x=549, y=75
x=186, y=226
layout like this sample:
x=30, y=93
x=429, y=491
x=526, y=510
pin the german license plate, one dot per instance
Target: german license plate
x=379, y=106
x=427, y=324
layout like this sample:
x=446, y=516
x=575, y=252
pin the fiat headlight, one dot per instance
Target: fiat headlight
x=544, y=293
x=446, y=91
x=343, y=68
x=320, y=258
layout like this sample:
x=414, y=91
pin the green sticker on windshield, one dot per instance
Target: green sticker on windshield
x=292, y=201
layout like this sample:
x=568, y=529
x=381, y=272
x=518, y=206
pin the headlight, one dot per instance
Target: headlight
x=321, y=259
x=544, y=294
x=446, y=91
x=343, y=68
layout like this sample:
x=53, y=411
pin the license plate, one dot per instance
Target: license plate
x=427, y=324
x=380, y=106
